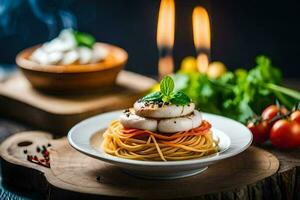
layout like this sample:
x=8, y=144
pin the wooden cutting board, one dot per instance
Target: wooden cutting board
x=59, y=113
x=73, y=175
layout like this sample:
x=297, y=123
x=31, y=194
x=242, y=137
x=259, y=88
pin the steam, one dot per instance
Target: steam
x=54, y=18
x=7, y=15
x=68, y=19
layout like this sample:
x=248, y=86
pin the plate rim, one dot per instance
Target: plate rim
x=121, y=161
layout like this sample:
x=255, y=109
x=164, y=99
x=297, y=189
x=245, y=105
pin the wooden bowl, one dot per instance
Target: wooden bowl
x=74, y=77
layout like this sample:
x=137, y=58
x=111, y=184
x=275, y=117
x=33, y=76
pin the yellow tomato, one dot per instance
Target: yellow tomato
x=216, y=69
x=189, y=64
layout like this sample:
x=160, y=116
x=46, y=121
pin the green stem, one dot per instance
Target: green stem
x=283, y=99
x=283, y=90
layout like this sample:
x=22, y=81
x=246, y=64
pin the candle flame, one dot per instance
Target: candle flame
x=165, y=37
x=166, y=24
x=201, y=32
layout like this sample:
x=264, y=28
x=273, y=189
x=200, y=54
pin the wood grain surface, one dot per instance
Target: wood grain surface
x=74, y=175
x=58, y=114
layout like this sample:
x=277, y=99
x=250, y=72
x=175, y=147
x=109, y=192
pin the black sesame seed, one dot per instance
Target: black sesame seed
x=49, y=145
x=160, y=104
x=98, y=178
x=38, y=149
x=25, y=151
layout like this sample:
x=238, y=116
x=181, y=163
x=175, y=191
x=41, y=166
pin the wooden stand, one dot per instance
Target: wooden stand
x=59, y=113
x=250, y=175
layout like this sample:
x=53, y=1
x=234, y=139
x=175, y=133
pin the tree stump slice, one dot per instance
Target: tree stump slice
x=288, y=175
x=250, y=175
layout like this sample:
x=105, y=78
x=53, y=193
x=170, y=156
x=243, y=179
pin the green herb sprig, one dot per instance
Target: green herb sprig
x=84, y=39
x=167, y=93
x=238, y=94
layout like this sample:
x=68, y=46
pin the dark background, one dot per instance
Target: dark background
x=241, y=30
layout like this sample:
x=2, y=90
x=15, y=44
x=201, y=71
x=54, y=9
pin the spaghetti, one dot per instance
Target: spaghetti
x=140, y=144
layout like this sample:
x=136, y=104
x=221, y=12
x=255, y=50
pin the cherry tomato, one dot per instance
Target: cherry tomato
x=285, y=134
x=260, y=131
x=295, y=116
x=271, y=111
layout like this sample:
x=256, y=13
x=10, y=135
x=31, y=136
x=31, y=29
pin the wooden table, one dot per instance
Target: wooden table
x=288, y=175
x=287, y=178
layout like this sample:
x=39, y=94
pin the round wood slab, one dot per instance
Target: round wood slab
x=74, y=175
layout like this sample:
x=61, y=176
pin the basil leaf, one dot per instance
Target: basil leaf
x=154, y=96
x=166, y=86
x=84, y=39
x=179, y=98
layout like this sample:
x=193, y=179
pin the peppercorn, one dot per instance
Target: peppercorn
x=98, y=178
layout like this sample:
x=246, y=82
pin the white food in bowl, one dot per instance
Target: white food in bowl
x=54, y=57
x=64, y=50
x=70, y=57
x=85, y=55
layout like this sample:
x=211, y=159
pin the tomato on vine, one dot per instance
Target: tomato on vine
x=272, y=111
x=285, y=134
x=260, y=130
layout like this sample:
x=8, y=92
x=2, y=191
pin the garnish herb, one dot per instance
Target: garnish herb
x=154, y=96
x=166, y=88
x=179, y=98
x=167, y=93
x=84, y=39
x=239, y=94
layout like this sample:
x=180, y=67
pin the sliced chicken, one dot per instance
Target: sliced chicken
x=159, y=110
x=185, y=123
x=130, y=120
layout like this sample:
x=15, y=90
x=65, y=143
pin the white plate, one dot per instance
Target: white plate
x=234, y=138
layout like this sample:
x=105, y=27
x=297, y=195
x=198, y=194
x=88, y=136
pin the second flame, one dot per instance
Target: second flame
x=165, y=36
x=201, y=33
